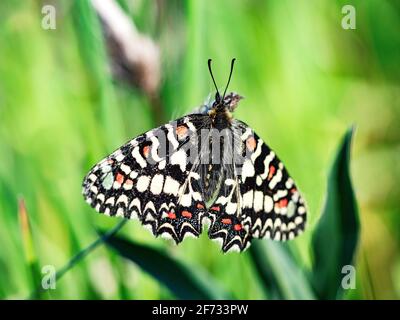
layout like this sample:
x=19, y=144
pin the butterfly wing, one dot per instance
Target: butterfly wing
x=151, y=178
x=257, y=198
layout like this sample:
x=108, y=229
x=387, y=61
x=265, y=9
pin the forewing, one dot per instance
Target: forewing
x=152, y=177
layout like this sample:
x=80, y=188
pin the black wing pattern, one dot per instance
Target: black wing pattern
x=257, y=197
x=151, y=178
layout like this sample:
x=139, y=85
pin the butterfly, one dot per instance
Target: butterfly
x=203, y=167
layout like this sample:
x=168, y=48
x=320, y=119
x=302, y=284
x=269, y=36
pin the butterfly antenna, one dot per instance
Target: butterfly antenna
x=229, y=79
x=212, y=76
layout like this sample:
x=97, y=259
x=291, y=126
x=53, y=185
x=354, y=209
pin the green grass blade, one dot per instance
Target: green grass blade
x=183, y=281
x=282, y=278
x=81, y=255
x=28, y=244
x=335, y=239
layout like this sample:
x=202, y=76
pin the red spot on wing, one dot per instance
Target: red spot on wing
x=251, y=143
x=237, y=227
x=271, y=172
x=146, y=151
x=187, y=214
x=283, y=203
x=200, y=206
x=293, y=190
x=119, y=178
x=171, y=215
x=226, y=221
x=181, y=131
x=215, y=208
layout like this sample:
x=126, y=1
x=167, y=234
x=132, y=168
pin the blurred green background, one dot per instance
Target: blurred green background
x=305, y=80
